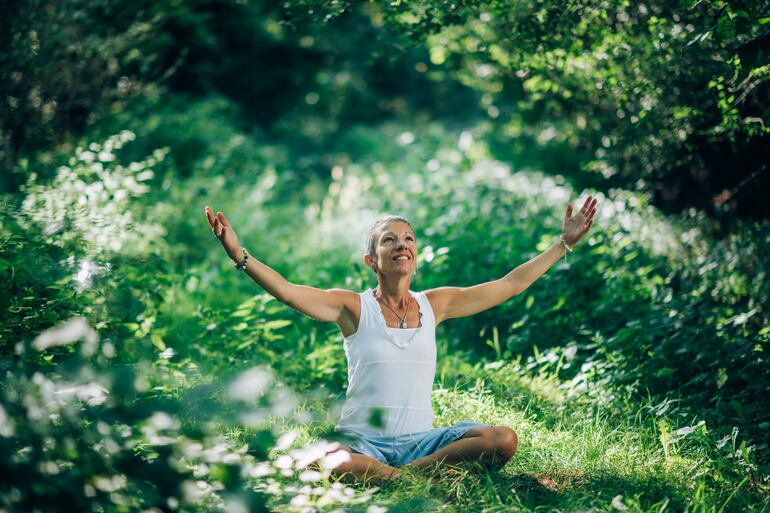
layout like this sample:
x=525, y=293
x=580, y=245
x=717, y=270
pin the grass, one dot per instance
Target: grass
x=573, y=455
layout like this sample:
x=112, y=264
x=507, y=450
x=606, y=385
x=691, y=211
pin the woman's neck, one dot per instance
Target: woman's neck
x=394, y=293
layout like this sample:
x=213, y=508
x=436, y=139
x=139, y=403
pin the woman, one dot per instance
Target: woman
x=389, y=340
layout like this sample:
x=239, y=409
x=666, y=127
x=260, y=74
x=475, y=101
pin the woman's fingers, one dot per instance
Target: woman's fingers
x=590, y=218
x=586, y=206
x=219, y=230
x=589, y=208
x=210, y=216
x=218, y=222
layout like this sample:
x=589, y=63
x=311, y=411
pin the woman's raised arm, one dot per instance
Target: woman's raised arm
x=322, y=305
x=453, y=302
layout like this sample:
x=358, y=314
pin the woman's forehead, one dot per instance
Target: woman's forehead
x=395, y=227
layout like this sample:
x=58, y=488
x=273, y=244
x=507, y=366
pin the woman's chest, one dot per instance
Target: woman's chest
x=400, y=345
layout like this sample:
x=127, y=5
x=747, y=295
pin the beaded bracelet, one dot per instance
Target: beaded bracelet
x=242, y=265
x=567, y=247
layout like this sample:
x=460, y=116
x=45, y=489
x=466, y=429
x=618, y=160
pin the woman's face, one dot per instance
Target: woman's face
x=396, y=248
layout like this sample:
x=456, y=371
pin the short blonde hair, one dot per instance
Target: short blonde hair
x=371, y=244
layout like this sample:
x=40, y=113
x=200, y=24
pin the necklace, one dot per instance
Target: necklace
x=401, y=321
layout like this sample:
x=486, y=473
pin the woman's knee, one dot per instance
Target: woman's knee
x=507, y=441
x=502, y=441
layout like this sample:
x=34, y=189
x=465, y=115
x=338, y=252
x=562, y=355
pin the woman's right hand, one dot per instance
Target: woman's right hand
x=225, y=233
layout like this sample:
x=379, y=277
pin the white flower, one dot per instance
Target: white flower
x=299, y=500
x=310, y=475
x=307, y=455
x=285, y=441
x=335, y=459
x=284, y=462
x=70, y=331
x=617, y=503
x=161, y=420
x=250, y=384
x=262, y=468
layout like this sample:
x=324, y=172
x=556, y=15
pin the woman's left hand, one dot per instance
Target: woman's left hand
x=574, y=227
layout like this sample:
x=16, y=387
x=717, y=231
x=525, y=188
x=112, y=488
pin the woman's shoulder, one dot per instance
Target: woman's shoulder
x=351, y=312
x=425, y=298
x=435, y=295
x=347, y=295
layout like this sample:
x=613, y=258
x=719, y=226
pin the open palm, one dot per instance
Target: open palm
x=574, y=227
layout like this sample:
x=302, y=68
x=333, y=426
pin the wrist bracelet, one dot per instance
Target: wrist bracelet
x=567, y=247
x=242, y=265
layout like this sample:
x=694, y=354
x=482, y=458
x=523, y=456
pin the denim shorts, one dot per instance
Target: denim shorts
x=398, y=450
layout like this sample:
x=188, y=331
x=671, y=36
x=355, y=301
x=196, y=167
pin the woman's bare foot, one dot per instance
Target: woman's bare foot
x=366, y=469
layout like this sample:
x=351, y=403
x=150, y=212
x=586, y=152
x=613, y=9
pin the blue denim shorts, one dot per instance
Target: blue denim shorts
x=398, y=450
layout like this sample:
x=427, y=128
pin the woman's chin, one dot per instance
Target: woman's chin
x=400, y=271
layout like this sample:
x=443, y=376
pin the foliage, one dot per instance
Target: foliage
x=90, y=435
x=141, y=372
x=70, y=67
x=62, y=63
x=668, y=98
x=111, y=424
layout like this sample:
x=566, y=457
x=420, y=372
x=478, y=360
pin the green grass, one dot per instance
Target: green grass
x=573, y=456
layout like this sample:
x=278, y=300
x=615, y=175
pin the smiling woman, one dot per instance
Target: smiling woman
x=390, y=343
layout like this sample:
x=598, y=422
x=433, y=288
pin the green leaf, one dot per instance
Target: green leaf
x=744, y=451
x=275, y=325
x=721, y=377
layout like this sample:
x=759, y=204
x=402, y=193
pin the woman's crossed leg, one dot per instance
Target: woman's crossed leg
x=493, y=445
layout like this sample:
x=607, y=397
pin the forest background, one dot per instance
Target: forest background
x=140, y=371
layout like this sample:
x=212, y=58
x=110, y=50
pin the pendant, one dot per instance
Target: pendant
x=402, y=324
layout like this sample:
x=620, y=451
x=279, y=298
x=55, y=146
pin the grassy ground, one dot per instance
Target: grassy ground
x=574, y=455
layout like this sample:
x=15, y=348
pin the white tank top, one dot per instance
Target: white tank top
x=391, y=369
